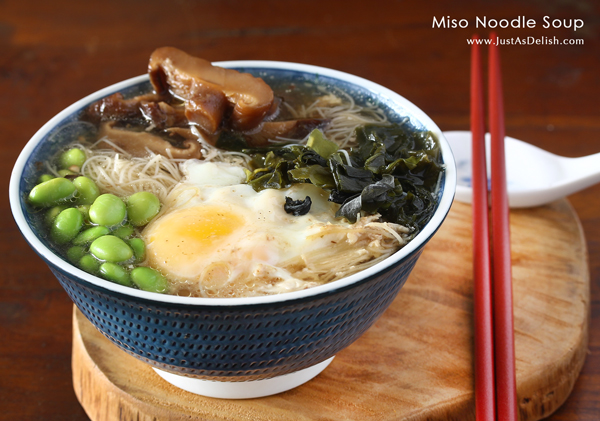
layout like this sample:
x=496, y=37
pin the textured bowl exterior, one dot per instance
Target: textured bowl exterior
x=238, y=343
x=230, y=339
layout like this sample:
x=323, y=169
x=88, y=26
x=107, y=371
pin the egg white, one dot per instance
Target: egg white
x=217, y=234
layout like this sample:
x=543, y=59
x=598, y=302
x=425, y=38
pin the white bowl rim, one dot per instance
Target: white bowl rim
x=426, y=233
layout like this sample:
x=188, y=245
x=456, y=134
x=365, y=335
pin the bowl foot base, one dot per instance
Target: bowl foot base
x=244, y=390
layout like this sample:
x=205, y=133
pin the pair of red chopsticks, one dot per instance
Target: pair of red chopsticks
x=495, y=381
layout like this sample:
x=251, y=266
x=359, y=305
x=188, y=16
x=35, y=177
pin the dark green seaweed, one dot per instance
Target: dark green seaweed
x=393, y=170
x=297, y=207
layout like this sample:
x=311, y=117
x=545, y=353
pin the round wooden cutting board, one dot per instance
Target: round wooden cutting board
x=416, y=362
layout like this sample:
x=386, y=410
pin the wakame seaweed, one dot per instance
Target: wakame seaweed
x=297, y=207
x=393, y=170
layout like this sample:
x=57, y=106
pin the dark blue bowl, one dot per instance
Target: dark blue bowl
x=232, y=339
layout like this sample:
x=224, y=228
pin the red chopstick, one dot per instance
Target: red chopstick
x=504, y=346
x=485, y=407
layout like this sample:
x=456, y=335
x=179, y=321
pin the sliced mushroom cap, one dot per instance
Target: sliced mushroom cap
x=139, y=143
x=115, y=107
x=206, y=107
x=162, y=115
x=210, y=91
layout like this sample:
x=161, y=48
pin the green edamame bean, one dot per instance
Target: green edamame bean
x=64, y=173
x=66, y=225
x=111, y=249
x=52, y=192
x=89, y=264
x=115, y=273
x=53, y=212
x=142, y=207
x=139, y=249
x=107, y=210
x=75, y=253
x=45, y=177
x=148, y=279
x=85, y=211
x=87, y=190
x=73, y=157
x=123, y=232
x=90, y=234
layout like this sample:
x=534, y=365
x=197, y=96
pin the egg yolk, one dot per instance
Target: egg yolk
x=181, y=241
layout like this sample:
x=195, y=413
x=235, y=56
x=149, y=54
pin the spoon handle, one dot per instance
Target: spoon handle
x=583, y=171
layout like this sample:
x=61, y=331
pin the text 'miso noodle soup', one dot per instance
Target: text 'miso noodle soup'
x=325, y=186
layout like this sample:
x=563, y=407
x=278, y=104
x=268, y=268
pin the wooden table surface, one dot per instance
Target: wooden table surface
x=53, y=53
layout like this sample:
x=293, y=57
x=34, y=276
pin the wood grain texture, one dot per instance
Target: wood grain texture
x=416, y=362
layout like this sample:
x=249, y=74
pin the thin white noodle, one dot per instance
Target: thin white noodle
x=122, y=176
x=387, y=227
x=344, y=117
x=110, y=144
x=345, y=153
x=366, y=242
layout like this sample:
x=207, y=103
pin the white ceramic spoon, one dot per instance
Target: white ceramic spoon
x=534, y=176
